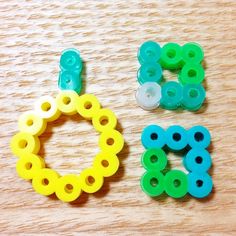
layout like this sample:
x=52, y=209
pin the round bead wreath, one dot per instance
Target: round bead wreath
x=26, y=145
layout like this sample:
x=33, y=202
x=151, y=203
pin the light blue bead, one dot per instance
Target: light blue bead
x=197, y=160
x=199, y=185
x=176, y=137
x=153, y=136
x=199, y=137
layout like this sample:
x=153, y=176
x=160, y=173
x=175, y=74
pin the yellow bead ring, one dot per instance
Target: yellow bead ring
x=26, y=145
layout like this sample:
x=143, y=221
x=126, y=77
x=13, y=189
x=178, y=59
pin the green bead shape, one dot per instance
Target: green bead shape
x=152, y=183
x=171, y=56
x=191, y=74
x=154, y=159
x=176, y=183
x=149, y=52
x=192, y=53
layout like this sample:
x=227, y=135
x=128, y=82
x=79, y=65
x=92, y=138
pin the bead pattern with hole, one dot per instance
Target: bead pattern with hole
x=154, y=159
x=199, y=184
x=193, y=96
x=149, y=72
x=148, y=96
x=152, y=183
x=192, y=53
x=171, y=95
x=176, y=183
x=171, y=56
x=153, y=136
x=197, y=160
x=149, y=52
x=199, y=137
x=176, y=138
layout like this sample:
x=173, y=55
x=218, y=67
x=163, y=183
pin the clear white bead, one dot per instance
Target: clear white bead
x=148, y=95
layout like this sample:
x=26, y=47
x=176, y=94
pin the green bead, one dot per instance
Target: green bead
x=171, y=56
x=191, y=74
x=149, y=72
x=172, y=93
x=149, y=52
x=154, y=159
x=193, y=96
x=192, y=53
x=70, y=80
x=152, y=183
x=176, y=183
x=70, y=60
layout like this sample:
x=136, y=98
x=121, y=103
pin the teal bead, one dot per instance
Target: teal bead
x=71, y=60
x=171, y=95
x=149, y=52
x=149, y=72
x=70, y=80
x=193, y=96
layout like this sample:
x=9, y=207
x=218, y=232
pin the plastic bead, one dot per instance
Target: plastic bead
x=71, y=60
x=154, y=159
x=66, y=102
x=152, y=183
x=111, y=141
x=193, y=96
x=197, y=160
x=46, y=108
x=199, y=137
x=68, y=188
x=176, y=183
x=28, y=164
x=199, y=185
x=104, y=119
x=171, y=56
x=191, y=74
x=148, y=96
x=149, y=52
x=153, y=136
x=149, y=72
x=176, y=137
x=44, y=181
x=91, y=180
x=22, y=143
x=106, y=164
x=192, y=53
x=30, y=122
x=88, y=106
x=70, y=80
x=171, y=95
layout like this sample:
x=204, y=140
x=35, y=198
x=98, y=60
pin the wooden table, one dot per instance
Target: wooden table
x=108, y=34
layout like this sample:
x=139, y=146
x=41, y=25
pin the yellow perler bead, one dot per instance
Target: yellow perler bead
x=104, y=119
x=28, y=164
x=111, y=141
x=88, y=106
x=30, y=122
x=68, y=188
x=44, y=181
x=90, y=180
x=106, y=164
x=46, y=108
x=66, y=102
x=24, y=143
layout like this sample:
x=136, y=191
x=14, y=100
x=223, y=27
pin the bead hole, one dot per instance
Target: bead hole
x=154, y=158
x=177, y=183
x=191, y=54
x=90, y=180
x=198, y=136
x=150, y=92
x=151, y=72
x=171, y=53
x=154, y=182
x=198, y=160
x=66, y=100
x=110, y=141
x=176, y=137
x=105, y=163
x=103, y=120
x=154, y=136
x=28, y=166
x=193, y=93
x=171, y=92
x=46, y=106
x=149, y=52
x=69, y=188
x=88, y=105
x=29, y=122
x=45, y=181
x=192, y=73
x=199, y=183
x=23, y=144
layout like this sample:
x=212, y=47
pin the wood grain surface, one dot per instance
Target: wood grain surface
x=108, y=34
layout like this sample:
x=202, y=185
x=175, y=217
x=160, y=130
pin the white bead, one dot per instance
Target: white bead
x=148, y=95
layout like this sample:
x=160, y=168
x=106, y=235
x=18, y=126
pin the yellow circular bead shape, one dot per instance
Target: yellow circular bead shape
x=26, y=145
